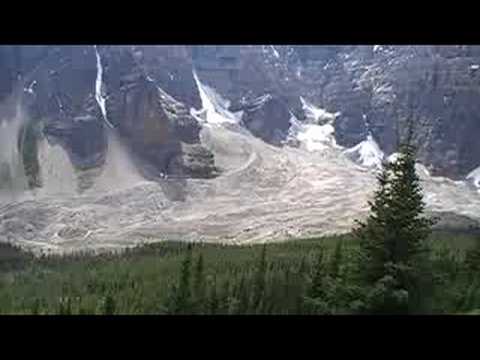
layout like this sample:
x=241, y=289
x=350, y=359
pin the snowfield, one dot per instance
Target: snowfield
x=367, y=153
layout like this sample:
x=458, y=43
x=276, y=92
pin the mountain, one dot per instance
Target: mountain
x=80, y=91
x=149, y=90
x=372, y=87
x=107, y=146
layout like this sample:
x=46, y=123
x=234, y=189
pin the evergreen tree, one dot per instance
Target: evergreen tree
x=336, y=260
x=316, y=289
x=230, y=302
x=472, y=258
x=470, y=296
x=108, y=306
x=171, y=300
x=242, y=296
x=286, y=283
x=82, y=310
x=199, y=284
x=225, y=296
x=315, y=300
x=259, y=280
x=302, y=268
x=371, y=233
x=213, y=302
x=36, y=306
x=183, y=296
x=65, y=306
x=393, y=239
x=301, y=281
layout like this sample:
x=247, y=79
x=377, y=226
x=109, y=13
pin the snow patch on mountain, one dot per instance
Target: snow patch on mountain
x=29, y=89
x=422, y=169
x=275, y=52
x=317, y=137
x=474, y=177
x=318, y=134
x=312, y=137
x=98, y=88
x=316, y=113
x=214, y=107
x=299, y=72
x=366, y=153
x=259, y=102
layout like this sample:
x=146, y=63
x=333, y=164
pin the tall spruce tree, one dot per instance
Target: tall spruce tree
x=472, y=258
x=336, y=260
x=260, y=279
x=242, y=296
x=108, y=305
x=301, y=280
x=225, y=296
x=213, y=301
x=199, y=285
x=183, y=294
x=315, y=300
x=393, y=239
x=316, y=289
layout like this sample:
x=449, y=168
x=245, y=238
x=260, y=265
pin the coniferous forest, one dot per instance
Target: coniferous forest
x=310, y=276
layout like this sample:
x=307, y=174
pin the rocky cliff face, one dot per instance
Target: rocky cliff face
x=158, y=127
x=77, y=92
x=373, y=88
x=148, y=92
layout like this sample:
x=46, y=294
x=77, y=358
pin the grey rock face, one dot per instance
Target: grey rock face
x=373, y=87
x=60, y=83
x=171, y=69
x=150, y=89
x=267, y=118
x=149, y=119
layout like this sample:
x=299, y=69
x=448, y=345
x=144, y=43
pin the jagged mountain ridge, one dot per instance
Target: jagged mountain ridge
x=62, y=89
x=149, y=91
x=372, y=87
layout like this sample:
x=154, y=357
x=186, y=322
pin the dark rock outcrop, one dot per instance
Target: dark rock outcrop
x=171, y=67
x=59, y=83
x=151, y=121
x=267, y=118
